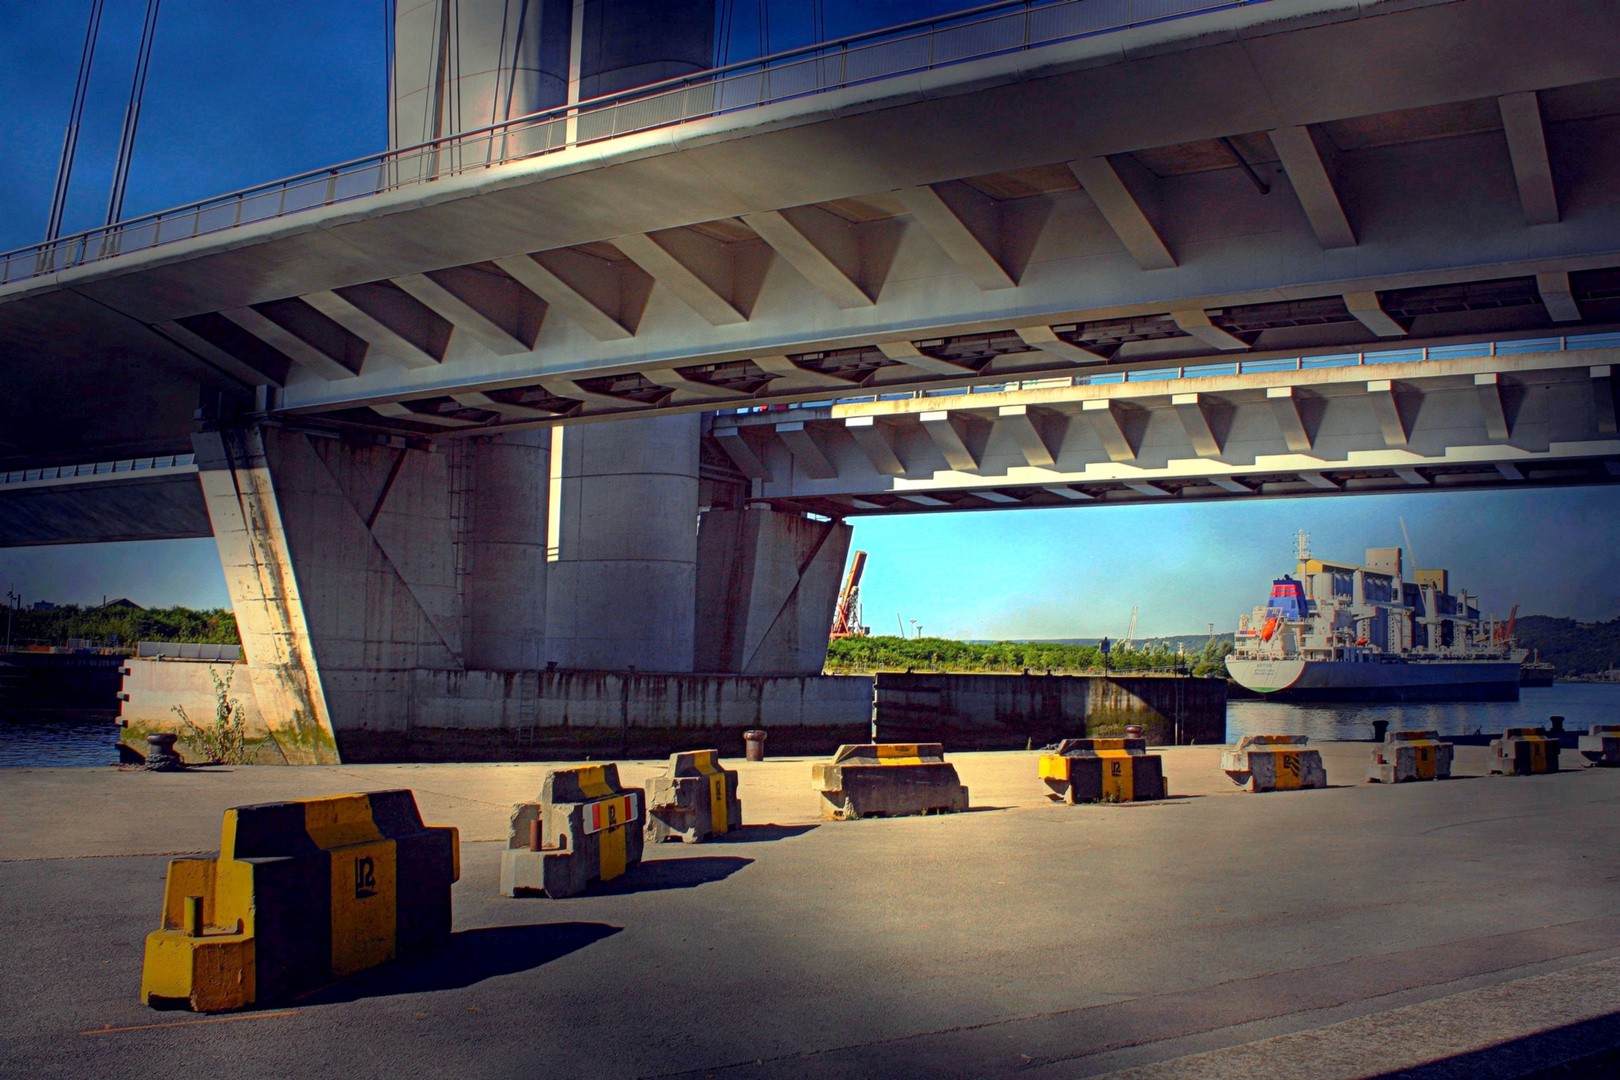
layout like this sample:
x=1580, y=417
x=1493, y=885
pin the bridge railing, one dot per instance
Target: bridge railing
x=96, y=468
x=989, y=30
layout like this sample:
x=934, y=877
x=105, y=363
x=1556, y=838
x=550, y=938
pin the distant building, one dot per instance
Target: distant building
x=122, y=602
x=43, y=605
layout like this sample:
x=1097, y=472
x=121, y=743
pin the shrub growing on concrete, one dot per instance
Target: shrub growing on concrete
x=224, y=741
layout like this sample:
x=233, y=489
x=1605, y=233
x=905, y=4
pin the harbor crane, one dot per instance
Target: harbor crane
x=847, y=615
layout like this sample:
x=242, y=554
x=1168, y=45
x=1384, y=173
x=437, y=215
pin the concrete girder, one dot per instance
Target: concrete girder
x=744, y=456
x=698, y=269
x=370, y=324
x=605, y=297
x=1370, y=313
x=1412, y=477
x=823, y=248
x=993, y=496
x=926, y=500
x=1117, y=424
x=1396, y=407
x=960, y=437
x=1557, y=298
x=1493, y=407
x=1072, y=494
x=475, y=399
x=786, y=375
x=689, y=390
x=1233, y=485
x=876, y=440
x=1195, y=321
x=1206, y=420
x=1302, y=152
x=1038, y=432
x=487, y=304
x=565, y=387
x=1509, y=471
x=966, y=231
x=1145, y=487
x=1603, y=407
x=1045, y=339
x=267, y=365
x=398, y=410
x=1123, y=211
x=911, y=356
x=1324, y=483
x=296, y=330
x=1527, y=145
x=1298, y=415
x=808, y=449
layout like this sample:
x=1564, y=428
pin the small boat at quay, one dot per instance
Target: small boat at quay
x=1344, y=632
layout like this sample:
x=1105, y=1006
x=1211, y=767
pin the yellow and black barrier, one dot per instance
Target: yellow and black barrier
x=1274, y=763
x=887, y=780
x=585, y=827
x=1524, y=751
x=301, y=893
x=1601, y=744
x=1102, y=770
x=696, y=799
x=1410, y=755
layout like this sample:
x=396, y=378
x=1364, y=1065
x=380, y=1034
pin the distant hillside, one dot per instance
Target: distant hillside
x=1574, y=648
x=129, y=624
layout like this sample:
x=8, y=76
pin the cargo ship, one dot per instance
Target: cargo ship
x=1343, y=632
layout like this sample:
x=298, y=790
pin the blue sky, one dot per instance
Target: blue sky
x=255, y=89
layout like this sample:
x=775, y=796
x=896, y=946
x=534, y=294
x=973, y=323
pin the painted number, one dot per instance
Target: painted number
x=1116, y=768
x=613, y=815
x=365, y=878
x=1290, y=762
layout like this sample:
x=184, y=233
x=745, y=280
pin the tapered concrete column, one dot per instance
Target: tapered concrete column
x=620, y=592
x=504, y=584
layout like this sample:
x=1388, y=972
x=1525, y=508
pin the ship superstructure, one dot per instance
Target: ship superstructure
x=1338, y=631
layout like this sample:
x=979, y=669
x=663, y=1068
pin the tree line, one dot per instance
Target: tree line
x=890, y=653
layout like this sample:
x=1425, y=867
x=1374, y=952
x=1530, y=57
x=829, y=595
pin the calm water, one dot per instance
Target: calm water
x=37, y=742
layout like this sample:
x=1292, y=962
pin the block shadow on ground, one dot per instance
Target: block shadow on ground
x=469, y=957
x=654, y=875
x=1589, y=1050
x=755, y=834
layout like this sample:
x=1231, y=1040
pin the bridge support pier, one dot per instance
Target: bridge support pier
x=358, y=571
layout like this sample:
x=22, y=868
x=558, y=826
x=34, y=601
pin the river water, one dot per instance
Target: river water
x=41, y=741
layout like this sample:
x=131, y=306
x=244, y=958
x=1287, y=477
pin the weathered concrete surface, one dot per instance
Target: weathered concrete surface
x=1015, y=712
x=968, y=925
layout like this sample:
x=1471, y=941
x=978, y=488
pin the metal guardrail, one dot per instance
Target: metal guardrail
x=186, y=650
x=989, y=30
x=58, y=472
x=1518, y=346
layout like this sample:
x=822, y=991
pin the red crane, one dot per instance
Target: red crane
x=1505, y=633
x=847, y=616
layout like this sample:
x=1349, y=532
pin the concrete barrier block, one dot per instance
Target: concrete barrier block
x=1410, y=755
x=887, y=780
x=585, y=827
x=696, y=799
x=1601, y=744
x=1524, y=751
x=1274, y=763
x=1102, y=770
x=301, y=893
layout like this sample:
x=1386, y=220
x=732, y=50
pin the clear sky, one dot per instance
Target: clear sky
x=256, y=89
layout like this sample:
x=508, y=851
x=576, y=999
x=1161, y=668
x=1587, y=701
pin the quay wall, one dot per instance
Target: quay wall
x=568, y=715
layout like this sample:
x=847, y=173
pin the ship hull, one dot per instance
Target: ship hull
x=1401, y=680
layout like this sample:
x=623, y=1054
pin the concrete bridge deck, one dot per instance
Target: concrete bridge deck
x=1361, y=929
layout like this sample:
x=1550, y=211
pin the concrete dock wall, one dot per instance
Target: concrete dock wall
x=1010, y=712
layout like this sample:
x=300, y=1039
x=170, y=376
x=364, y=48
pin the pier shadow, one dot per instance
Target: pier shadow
x=655, y=875
x=467, y=958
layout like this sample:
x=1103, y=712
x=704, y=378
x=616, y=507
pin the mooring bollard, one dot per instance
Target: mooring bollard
x=754, y=744
x=160, y=754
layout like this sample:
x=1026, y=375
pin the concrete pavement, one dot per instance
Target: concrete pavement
x=1021, y=937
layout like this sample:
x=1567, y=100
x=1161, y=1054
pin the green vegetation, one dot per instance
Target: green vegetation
x=224, y=741
x=130, y=624
x=1571, y=647
x=860, y=654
